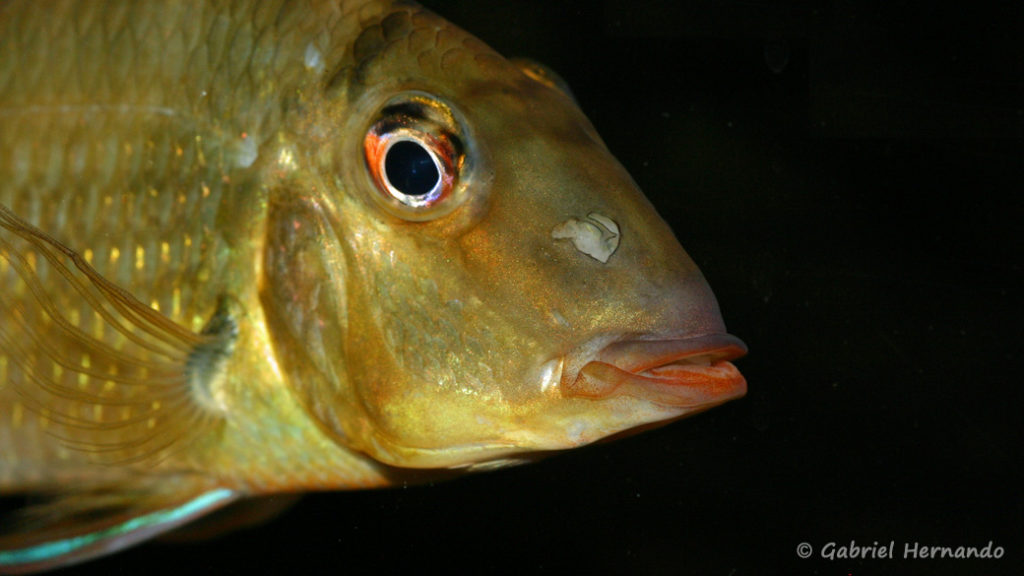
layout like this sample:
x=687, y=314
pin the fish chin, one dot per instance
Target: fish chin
x=622, y=387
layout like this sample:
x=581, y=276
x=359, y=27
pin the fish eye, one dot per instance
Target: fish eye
x=412, y=173
x=409, y=167
x=414, y=157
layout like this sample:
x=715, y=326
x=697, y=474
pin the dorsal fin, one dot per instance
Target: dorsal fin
x=102, y=372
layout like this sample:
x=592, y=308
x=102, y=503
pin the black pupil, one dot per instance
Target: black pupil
x=410, y=168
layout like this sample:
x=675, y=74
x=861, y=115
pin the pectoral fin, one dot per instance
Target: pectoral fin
x=104, y=373
x=77, y=528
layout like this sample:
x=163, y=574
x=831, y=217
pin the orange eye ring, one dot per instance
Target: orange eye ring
x=411, y=169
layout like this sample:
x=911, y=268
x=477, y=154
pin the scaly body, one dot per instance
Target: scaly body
x=146, y=136
x=251, y=247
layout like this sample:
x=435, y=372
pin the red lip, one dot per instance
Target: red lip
x=687, y=373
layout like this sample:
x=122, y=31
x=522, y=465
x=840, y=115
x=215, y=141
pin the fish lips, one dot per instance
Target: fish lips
x=690, y=373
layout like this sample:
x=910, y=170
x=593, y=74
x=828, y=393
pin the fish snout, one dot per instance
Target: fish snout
x=692, y=373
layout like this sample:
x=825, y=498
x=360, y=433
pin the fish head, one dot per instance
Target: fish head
x=490, y=283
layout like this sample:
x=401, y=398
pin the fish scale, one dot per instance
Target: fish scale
x=211, y=289
x=120, y=164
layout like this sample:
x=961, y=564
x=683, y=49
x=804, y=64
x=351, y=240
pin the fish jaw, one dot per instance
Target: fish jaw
x=690, y=374
x=628, y=385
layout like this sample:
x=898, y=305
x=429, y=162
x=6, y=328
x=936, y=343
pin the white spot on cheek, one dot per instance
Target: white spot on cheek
x=597, y=236
x=246, y=151
x=314, y=60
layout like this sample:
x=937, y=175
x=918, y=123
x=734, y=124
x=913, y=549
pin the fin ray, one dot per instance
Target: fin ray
x=133, y=388
x=83, y=526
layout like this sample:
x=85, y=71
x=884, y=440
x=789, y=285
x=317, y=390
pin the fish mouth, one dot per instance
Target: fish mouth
x=693, y=372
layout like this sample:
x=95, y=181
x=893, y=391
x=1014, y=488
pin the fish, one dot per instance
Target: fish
x=257, y=248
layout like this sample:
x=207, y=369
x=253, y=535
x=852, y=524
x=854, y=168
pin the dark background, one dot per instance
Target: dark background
x=848, y=177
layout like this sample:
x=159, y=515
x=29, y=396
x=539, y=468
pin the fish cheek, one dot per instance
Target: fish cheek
x=303, y=294
x=425, y=367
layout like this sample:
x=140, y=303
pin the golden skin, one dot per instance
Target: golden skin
x=208, y=158
x=145, y=137
x=489, y=277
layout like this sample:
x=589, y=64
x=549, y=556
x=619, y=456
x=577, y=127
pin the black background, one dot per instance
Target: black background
x=847, y=175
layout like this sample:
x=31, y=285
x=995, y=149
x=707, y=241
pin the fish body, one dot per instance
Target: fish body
x=260, y=247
